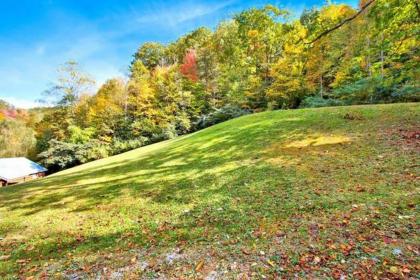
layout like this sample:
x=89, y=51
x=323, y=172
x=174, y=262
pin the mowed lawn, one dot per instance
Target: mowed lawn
x=321, y=193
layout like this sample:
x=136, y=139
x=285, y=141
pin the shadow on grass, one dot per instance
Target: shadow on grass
x=176, y=166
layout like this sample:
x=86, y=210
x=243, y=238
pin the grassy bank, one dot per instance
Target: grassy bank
x=314, y=192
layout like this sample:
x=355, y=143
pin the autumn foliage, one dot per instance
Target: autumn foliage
x=189, y=66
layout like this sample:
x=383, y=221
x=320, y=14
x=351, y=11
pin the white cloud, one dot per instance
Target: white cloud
x=179, y=14
x=22, y=103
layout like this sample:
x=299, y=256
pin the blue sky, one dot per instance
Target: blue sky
x=38, y=36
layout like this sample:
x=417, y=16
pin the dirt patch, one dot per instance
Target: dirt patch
x=408, y=138
x=413, y=135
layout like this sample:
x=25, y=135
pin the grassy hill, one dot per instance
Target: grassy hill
x=314, y=192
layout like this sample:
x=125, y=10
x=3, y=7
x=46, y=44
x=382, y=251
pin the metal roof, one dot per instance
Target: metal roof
x=14, y=168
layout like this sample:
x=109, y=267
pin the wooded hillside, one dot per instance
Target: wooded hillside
x=260, y=59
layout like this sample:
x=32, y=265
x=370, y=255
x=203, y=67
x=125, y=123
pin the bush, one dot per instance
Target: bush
x=220, y=115
x=61, y=155
x=165, y=133
x=316, y=102
x=119, y=146
x=377, y=90
x=362, y=91
x=406, y=93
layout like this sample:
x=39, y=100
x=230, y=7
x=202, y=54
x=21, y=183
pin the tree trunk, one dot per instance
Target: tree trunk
x=382, y=55
x=368, y=64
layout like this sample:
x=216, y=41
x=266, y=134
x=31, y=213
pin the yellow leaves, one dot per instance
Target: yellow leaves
x=271, y=263
x=301, y=31
x=394, y=269
x=293, y=49
x=253, y=33
x=335, y=13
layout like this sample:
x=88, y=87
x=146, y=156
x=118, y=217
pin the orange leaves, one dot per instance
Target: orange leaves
x=245, y=251
x=346, y=248
x=199, y=265
x=189, y=67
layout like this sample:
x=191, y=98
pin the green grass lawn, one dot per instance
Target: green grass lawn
x=321, y=193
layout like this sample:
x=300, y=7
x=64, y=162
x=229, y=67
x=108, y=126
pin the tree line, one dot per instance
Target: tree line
x=260, y=59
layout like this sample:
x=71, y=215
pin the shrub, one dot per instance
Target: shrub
x=220, y=115
x=316, y=102
x=119, y=146
x=61, y=155
x=406, y=93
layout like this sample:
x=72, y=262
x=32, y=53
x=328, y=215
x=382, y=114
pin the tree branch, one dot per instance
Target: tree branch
x=342, y=23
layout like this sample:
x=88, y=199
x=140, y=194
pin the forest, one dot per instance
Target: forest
x=261, y=59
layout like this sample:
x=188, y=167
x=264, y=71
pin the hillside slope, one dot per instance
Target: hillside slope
x=314, y=192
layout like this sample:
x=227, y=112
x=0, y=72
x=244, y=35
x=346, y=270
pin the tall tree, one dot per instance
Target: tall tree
x=151, y=54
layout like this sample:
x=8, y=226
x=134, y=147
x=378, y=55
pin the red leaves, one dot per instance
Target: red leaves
x=388, y=240
x=411, y=135
x=8, y=113
x=189, y=66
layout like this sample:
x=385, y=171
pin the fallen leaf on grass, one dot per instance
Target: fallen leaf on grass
x=406, y=270
x=368, y=250
x=394, y=269
x=271, y=263
x=199, y=265
x=346, y=248
x=245, y=252
x=4, y=258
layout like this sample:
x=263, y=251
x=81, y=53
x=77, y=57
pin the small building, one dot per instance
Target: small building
x=18, y=170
